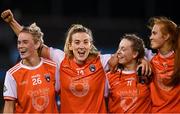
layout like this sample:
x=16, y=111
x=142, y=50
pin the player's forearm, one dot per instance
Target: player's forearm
x=16, y=27
x=9, y=106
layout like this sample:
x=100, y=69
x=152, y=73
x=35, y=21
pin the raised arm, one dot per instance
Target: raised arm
x=8, y=17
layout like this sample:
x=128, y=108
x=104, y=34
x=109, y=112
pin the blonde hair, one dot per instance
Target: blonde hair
x=35, y=31
x=75, y=28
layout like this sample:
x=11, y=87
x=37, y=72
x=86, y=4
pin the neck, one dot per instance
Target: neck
x=79, y=63
x=31, y=62
x=165, y=49
x=130, y=66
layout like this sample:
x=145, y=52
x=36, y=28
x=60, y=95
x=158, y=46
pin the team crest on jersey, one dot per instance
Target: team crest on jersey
x=79, y=87
x=47, y=77
x=128, y=103
x=40, y=98
x=4, y=89
x=92, y=68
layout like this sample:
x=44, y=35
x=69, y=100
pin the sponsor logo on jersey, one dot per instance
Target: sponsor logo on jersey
x=23, y=82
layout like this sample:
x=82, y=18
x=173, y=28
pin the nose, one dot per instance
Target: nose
x=151, y=37
x=119, y=52
x=20, y=45
x=81, y=45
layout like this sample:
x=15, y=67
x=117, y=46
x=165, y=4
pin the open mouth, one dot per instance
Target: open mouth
x=22, y=52
x=81, y=53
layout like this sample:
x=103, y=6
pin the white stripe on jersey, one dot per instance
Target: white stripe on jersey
x=14, y=68
x=49, y=62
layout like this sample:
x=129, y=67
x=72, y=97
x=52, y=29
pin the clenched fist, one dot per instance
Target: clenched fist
x=7, y=16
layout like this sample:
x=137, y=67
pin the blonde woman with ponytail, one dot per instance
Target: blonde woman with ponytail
x=29, y=86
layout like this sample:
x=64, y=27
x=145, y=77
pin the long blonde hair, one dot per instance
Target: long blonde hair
x=75, y=28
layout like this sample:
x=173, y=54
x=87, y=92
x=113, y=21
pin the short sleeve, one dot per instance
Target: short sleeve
x=56, y=55
x=10, y=87
x=149, y=54
x=104, y=61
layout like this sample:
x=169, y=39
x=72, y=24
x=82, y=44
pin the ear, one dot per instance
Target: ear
x=37, y=45
x=70, y=46
x=135, y=54
x=91, y=45
x=166, y=37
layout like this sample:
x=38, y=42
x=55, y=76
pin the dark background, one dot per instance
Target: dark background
x=108, y=20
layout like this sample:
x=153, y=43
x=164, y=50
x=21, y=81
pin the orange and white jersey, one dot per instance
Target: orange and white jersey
x=126, y=95
x=82, y=87
x=164, y=98
x=33, y=88
x=58, y=56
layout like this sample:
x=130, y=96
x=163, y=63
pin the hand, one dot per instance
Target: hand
x=113, y=62
x=7, y=16
x=146, y=67
x=143, y=79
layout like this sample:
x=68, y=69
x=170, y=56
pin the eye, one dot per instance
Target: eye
x=25, y=42
x=76, y=42
x=86, y=42
x=18, y=42
x=121, y=49
x=153, y=32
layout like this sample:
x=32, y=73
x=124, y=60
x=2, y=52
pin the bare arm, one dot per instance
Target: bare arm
x=8, y=17
x=113, y=62
x=9, y=106
x=45, y=52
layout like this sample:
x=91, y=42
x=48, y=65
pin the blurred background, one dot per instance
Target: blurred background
x=108, y=20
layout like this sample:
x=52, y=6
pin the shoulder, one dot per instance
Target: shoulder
x=105, y=56
x=14, y=68
x=113, y=74
x=49, y=62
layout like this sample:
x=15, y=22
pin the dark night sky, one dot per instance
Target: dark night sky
x=108, y=19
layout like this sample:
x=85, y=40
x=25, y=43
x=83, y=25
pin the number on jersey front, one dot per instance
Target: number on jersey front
x=36, y=81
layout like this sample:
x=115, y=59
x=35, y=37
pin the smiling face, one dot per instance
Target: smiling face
x=26, y=46
x=157, y=38
x=80, y=45
x=126, y=54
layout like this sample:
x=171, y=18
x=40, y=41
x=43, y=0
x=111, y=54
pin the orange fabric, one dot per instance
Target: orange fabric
x=127, y=95
x=164, y=98
x=35, y=93
x=82, y=87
